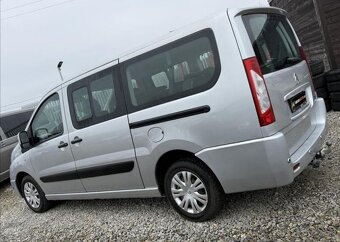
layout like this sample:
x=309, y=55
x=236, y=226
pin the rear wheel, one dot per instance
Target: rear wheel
x=192, y=190
x=334, y=86
x=317, y=67
x=34, y=195
x=333, y=80
x=322, y=92
x=335, y=106
x=319, y=81
x=328, y=105
x=333, y=76
x=335, y=96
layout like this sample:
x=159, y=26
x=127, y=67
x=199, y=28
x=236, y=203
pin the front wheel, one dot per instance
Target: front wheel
x=192, y=190
x=34, y=195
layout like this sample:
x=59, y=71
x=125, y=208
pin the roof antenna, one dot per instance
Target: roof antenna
x=59, y=70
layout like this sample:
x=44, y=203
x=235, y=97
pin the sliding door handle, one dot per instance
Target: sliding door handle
x=76, y=140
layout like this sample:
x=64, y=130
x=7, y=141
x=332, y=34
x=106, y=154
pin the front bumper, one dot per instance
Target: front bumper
x=14, y=186
x=265, y=163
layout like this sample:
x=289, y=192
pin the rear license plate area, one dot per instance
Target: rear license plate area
x=298, y=101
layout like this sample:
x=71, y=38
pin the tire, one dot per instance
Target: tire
x=333, y=86
x=335, y=96
x=201, y=208
x=328, y=105
x=319, y=81
x=335, y=105
x=322, y=92
x=333, y=76
x=29, y=188
x=317, y=67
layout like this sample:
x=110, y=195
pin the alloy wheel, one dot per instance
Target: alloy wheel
x=31, y=195
x=189, y=192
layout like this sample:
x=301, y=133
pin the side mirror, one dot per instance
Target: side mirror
x=24, y=140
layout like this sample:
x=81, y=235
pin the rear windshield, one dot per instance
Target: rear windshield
x=273, y=41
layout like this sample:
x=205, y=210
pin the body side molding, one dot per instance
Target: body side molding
x=104, y=170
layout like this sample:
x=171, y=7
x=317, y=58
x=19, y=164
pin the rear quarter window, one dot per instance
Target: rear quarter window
x=273, y=40
x=185, y=67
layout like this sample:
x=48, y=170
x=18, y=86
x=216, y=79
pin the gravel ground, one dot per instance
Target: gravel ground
x=307, y=210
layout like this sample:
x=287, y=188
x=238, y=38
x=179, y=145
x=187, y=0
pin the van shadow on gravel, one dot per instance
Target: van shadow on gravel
x=4, y=184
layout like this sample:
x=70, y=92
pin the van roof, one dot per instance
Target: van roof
x=174, y=19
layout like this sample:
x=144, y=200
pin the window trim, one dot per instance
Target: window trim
x=86, y=82
x=208, y=33
x=30, y=130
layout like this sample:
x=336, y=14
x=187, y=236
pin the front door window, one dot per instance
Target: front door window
x=47, y=123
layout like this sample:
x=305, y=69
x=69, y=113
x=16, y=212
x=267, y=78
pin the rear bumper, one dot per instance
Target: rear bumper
x=265, y=163
x=306, y=153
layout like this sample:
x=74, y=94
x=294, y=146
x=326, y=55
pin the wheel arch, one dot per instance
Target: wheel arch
x=171, y=157
x=18, y=180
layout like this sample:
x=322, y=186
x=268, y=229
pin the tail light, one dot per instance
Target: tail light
x=304, y=57
x=259, y=91
x=303, y=54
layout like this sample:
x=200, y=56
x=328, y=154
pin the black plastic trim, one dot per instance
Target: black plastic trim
x=65, y=176
x=170, y=117
x=104, y=170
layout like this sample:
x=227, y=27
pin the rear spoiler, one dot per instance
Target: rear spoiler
x=242, y=11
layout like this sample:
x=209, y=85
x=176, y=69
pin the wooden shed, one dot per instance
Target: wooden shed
x=317, y=23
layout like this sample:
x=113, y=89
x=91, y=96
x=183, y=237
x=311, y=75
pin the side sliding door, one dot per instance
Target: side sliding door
x=99, y=133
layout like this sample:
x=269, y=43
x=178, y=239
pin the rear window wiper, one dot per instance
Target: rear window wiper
x=293, y=60
x=287, y=61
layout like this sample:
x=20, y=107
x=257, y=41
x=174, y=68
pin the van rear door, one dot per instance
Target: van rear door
x=267, y=35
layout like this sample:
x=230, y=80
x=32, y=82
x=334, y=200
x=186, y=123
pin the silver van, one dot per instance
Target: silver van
x=223, y=105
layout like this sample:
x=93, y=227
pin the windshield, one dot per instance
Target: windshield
x=273, y=41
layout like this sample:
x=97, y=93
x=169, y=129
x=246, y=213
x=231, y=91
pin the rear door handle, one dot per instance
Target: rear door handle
x=76, y=140
x=62, y=145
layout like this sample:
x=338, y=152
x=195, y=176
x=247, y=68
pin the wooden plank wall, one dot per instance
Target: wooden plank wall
x=304, y=19
x=329, y=11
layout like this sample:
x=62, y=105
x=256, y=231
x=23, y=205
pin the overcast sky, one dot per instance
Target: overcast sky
x=36, y=34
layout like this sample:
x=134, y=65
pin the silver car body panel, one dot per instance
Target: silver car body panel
x=228, y=138
x=47, y=159
x=266, y=162
x=22, y=165
x=227, y=100
x=110, y=143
